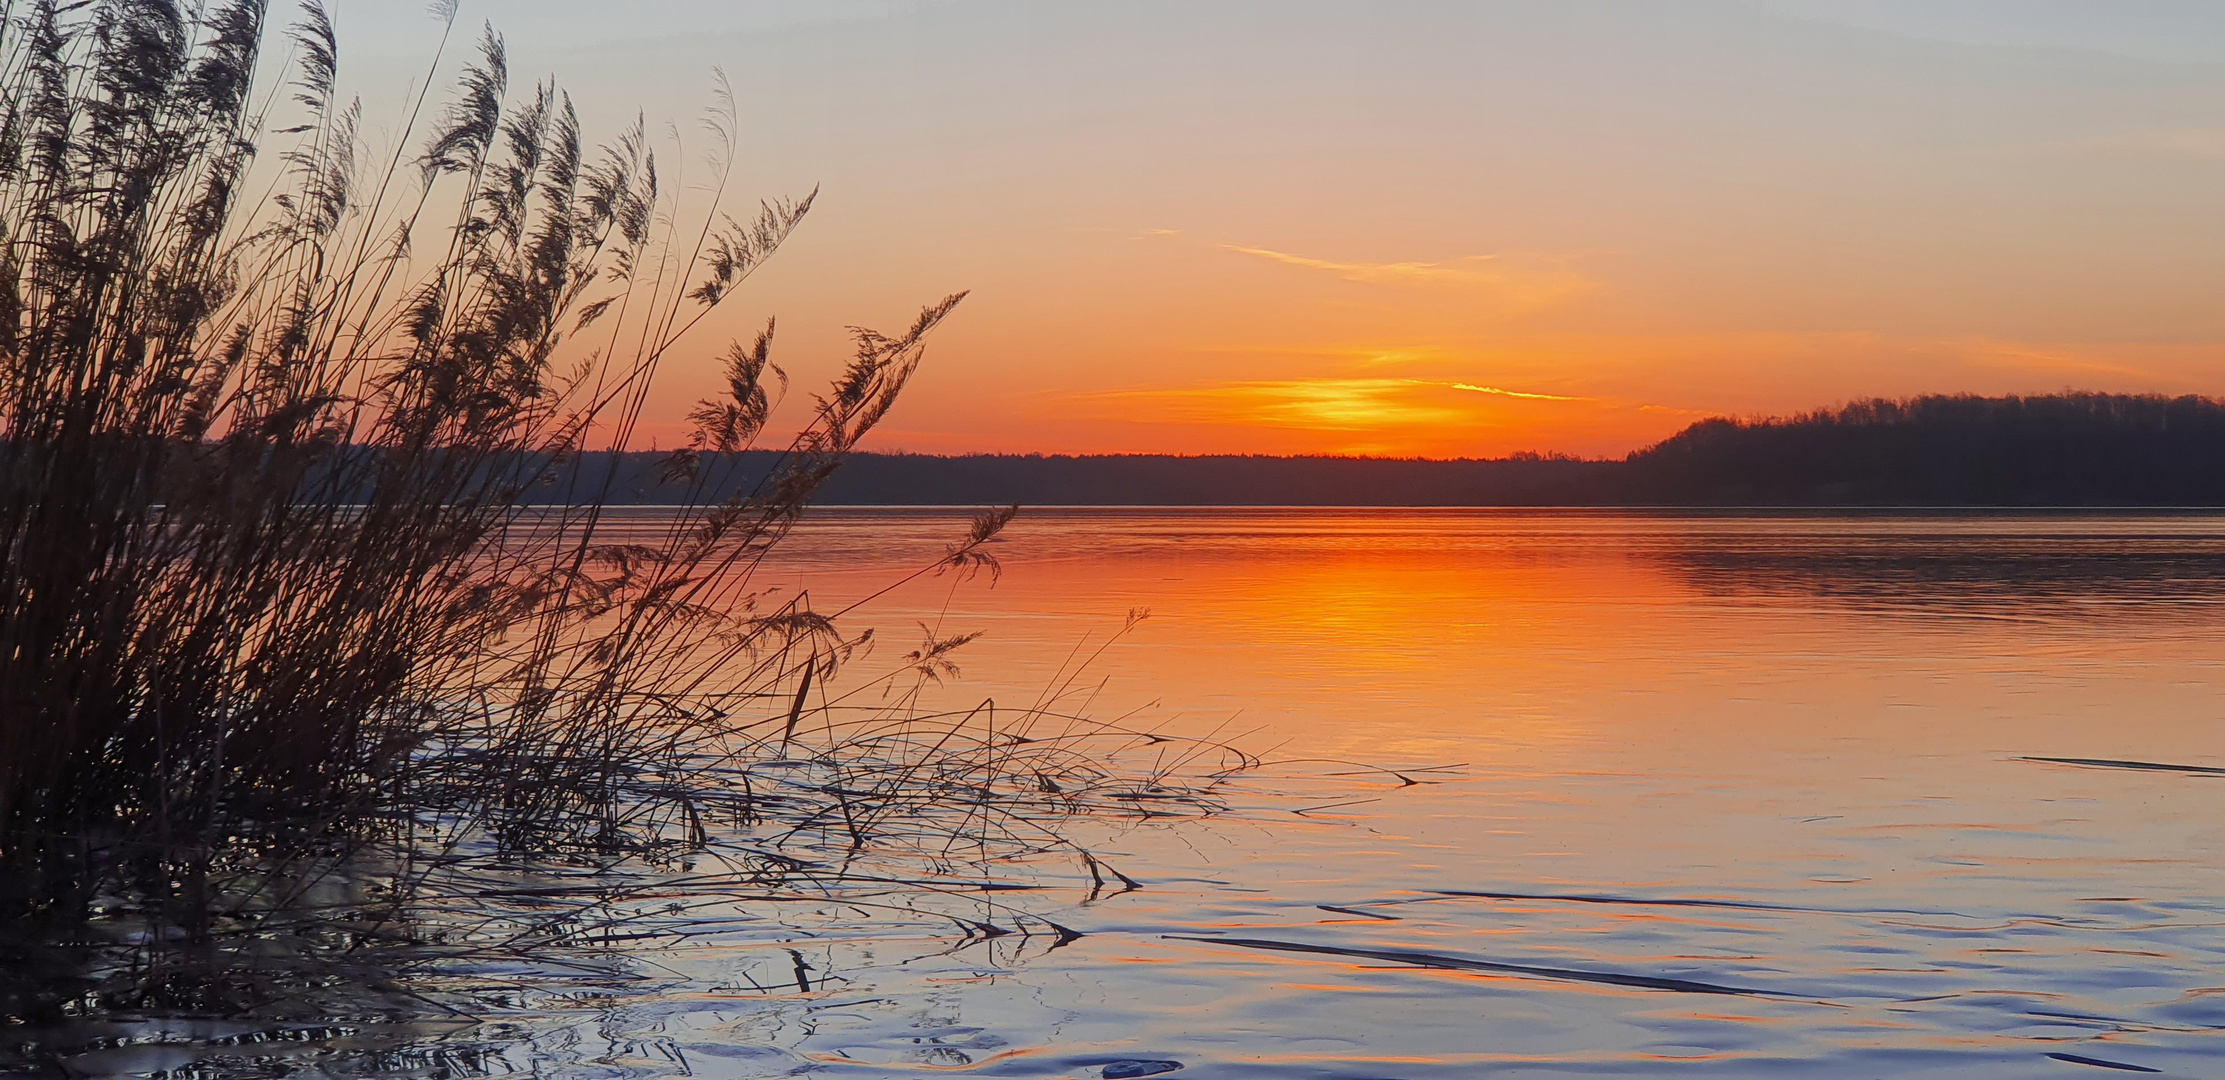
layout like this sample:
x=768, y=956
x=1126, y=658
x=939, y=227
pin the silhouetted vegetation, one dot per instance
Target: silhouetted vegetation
x=2054, y=450
x=870, y=479
x=286, y=658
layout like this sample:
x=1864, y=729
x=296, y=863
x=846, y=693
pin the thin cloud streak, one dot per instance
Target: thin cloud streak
x=1511, y=393
x=1518, y=289
x=1336, y=404
x=1317, y=404
x=1373, y=273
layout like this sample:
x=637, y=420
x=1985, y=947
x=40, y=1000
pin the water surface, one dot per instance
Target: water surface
x=1730, y=796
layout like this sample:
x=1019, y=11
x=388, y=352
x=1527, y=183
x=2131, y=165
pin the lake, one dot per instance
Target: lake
x=1696, y=795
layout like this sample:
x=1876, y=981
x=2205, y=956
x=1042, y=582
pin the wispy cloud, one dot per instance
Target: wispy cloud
x=1511, y=393
x=1399, y=273
x=1326, y=404
x=1320, y=404
x=1518, y=286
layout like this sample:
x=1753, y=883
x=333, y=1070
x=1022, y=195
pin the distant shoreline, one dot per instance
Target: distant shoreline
x=2062, y=451
x=1661, y=510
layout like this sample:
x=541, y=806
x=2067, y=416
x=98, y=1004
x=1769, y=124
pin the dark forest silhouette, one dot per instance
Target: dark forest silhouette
x=2076, y=449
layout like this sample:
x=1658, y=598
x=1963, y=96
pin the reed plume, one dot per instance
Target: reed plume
x=312, y=601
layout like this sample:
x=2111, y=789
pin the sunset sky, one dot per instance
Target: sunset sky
x=1446, y=229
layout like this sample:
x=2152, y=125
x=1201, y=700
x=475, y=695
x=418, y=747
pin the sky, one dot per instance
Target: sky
x=1429, y=228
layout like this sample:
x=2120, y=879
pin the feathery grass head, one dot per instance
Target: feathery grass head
x=272, y=594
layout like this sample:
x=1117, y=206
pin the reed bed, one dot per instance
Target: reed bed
x=311, y=621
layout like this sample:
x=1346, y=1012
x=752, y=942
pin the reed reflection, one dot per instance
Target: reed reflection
x=2025, y=566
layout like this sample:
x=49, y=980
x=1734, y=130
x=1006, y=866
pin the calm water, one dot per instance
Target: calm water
x=1734, y=797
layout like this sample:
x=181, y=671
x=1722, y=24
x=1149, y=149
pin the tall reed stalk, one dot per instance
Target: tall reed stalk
x=270, y=584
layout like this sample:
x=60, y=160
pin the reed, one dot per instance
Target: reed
x=274, y=606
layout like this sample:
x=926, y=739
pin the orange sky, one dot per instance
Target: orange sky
x=1445, y=229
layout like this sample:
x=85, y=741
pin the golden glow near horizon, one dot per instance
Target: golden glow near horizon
x=1442, y=228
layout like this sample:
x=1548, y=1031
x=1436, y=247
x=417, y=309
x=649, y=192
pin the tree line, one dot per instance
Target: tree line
x=2072, y=449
